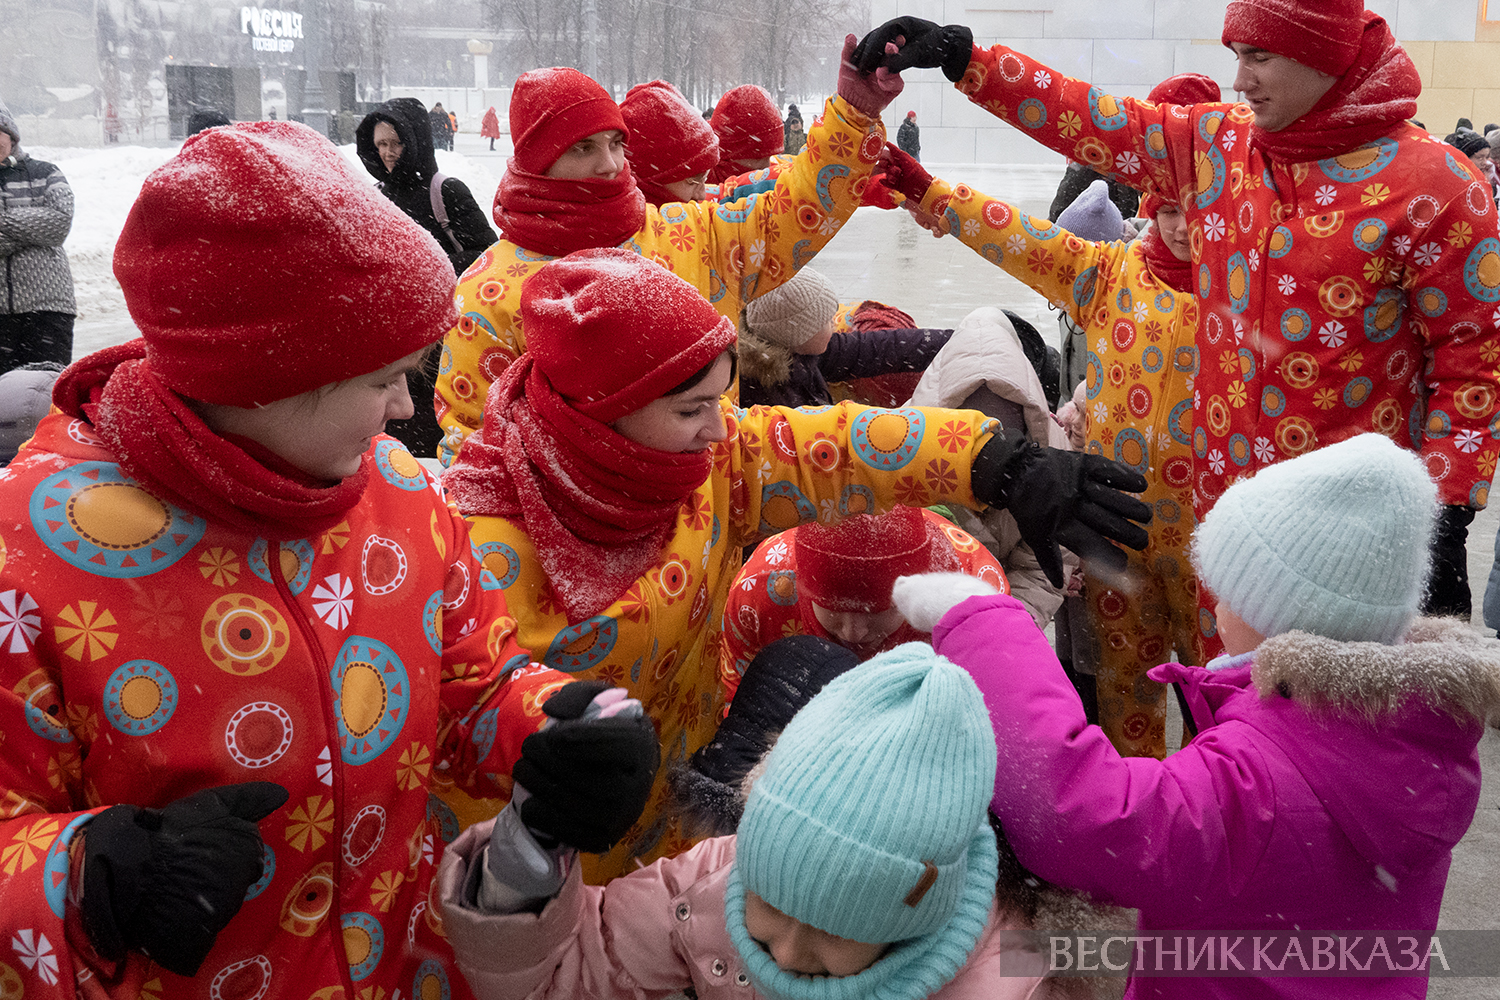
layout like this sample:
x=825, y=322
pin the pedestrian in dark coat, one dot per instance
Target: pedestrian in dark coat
x=36, y=286
x=790, y=351
x=909, y=137
x=442, y=126
x=395, y=146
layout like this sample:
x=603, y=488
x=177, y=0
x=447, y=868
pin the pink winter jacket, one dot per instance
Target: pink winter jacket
x=1324, y=791
x=655, y=931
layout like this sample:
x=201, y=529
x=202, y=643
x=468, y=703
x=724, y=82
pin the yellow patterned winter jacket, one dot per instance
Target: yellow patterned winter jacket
x=730, y=253
x=778, y=467
x=1141, y=357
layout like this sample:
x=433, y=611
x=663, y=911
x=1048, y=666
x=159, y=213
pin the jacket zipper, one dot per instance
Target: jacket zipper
x=335, y=759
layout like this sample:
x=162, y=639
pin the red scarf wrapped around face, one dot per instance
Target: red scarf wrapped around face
x=556, y=217
x=1160, y=260
x=163, y=445
x=597, y=506
x=1375, y=95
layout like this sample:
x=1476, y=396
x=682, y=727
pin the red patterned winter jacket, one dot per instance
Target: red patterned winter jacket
x=146, y=654
x=1338, y=296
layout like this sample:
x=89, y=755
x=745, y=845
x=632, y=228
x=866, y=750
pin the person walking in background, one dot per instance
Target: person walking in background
x=793, y=132
x=441, y=127
x=909, y=137
x=394, y=144
x=36, y=213
x=489, y=127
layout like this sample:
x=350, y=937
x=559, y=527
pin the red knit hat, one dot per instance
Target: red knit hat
x=550, y=109
x=748, y=125
x=1323, y=34
x=613, y=331
x=258, y=266
x=1185, y=88
x=852, y=565
x=669, y=140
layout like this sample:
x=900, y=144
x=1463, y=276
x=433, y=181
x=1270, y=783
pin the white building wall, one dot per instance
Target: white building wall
x=1123, y=46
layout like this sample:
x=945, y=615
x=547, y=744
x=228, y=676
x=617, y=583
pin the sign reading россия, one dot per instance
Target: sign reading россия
x=273, y=30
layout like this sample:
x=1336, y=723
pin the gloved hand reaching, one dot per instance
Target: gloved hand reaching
x=165, y=882
x=869, y=90
x=590, y=771
x=595, y=766
x=1063, y=498
x=924, y=44
x=900, y=172
x=924, y=598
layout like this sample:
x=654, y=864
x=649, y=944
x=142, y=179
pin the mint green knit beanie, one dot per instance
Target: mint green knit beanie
x=1334, y=542
x=869, y=823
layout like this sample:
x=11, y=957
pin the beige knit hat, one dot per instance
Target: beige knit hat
x=794, y=313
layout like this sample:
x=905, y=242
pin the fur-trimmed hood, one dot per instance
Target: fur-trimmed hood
x=1444, y=663
x=762, y=361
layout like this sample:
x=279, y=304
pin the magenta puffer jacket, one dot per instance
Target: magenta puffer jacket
x=657, y=930
x=1324, y=791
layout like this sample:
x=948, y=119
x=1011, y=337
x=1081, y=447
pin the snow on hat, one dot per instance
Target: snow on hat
x=869, y=823
x=669, y=140
x=1092, y=216
x=1467, y=141
x=852, y=565
x=793, y=313
x=550, y=109
x=613, y=331
x=1323, y=34
x=747, y=124
x=1334, y=542
x=258, y=266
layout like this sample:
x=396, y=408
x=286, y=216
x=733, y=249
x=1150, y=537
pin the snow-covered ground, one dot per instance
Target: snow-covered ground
x=878, y=255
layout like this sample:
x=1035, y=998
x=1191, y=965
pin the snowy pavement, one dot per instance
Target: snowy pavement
x=881, y=255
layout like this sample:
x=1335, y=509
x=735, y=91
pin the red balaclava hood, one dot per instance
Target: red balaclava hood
x=669, y=140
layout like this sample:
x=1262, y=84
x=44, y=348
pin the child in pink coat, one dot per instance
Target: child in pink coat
x=1335, y=763
x=863, y=867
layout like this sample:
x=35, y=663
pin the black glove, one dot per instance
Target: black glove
x=1448, y=585
x=589, y=779
x=782, y=678
x=1063, y=498
x=165, y=882
x=924, y=44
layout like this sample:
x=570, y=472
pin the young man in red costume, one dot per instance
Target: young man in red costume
x=1347, y=263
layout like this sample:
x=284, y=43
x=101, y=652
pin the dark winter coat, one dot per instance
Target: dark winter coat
x=774, y=376
x=1076, y=180
x=36, y=212
x=407, y=185
x=909, y=138
x=441, y=126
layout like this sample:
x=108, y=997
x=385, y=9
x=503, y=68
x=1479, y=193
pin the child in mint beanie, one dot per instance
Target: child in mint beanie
x=864, y=866
x=1335, y=764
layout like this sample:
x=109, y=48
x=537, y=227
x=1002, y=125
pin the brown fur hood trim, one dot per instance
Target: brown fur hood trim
x=762, y=361
x=1443, y=662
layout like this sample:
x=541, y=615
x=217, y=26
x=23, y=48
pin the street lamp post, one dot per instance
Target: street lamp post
x=314, y=102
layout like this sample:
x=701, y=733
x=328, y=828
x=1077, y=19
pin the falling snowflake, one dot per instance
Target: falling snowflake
x=35, y=952
x=1213, y=227
x=1286, y=284
x=20, y=621
x=1325, y=194
x=333, y=600
x=1333, y=334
